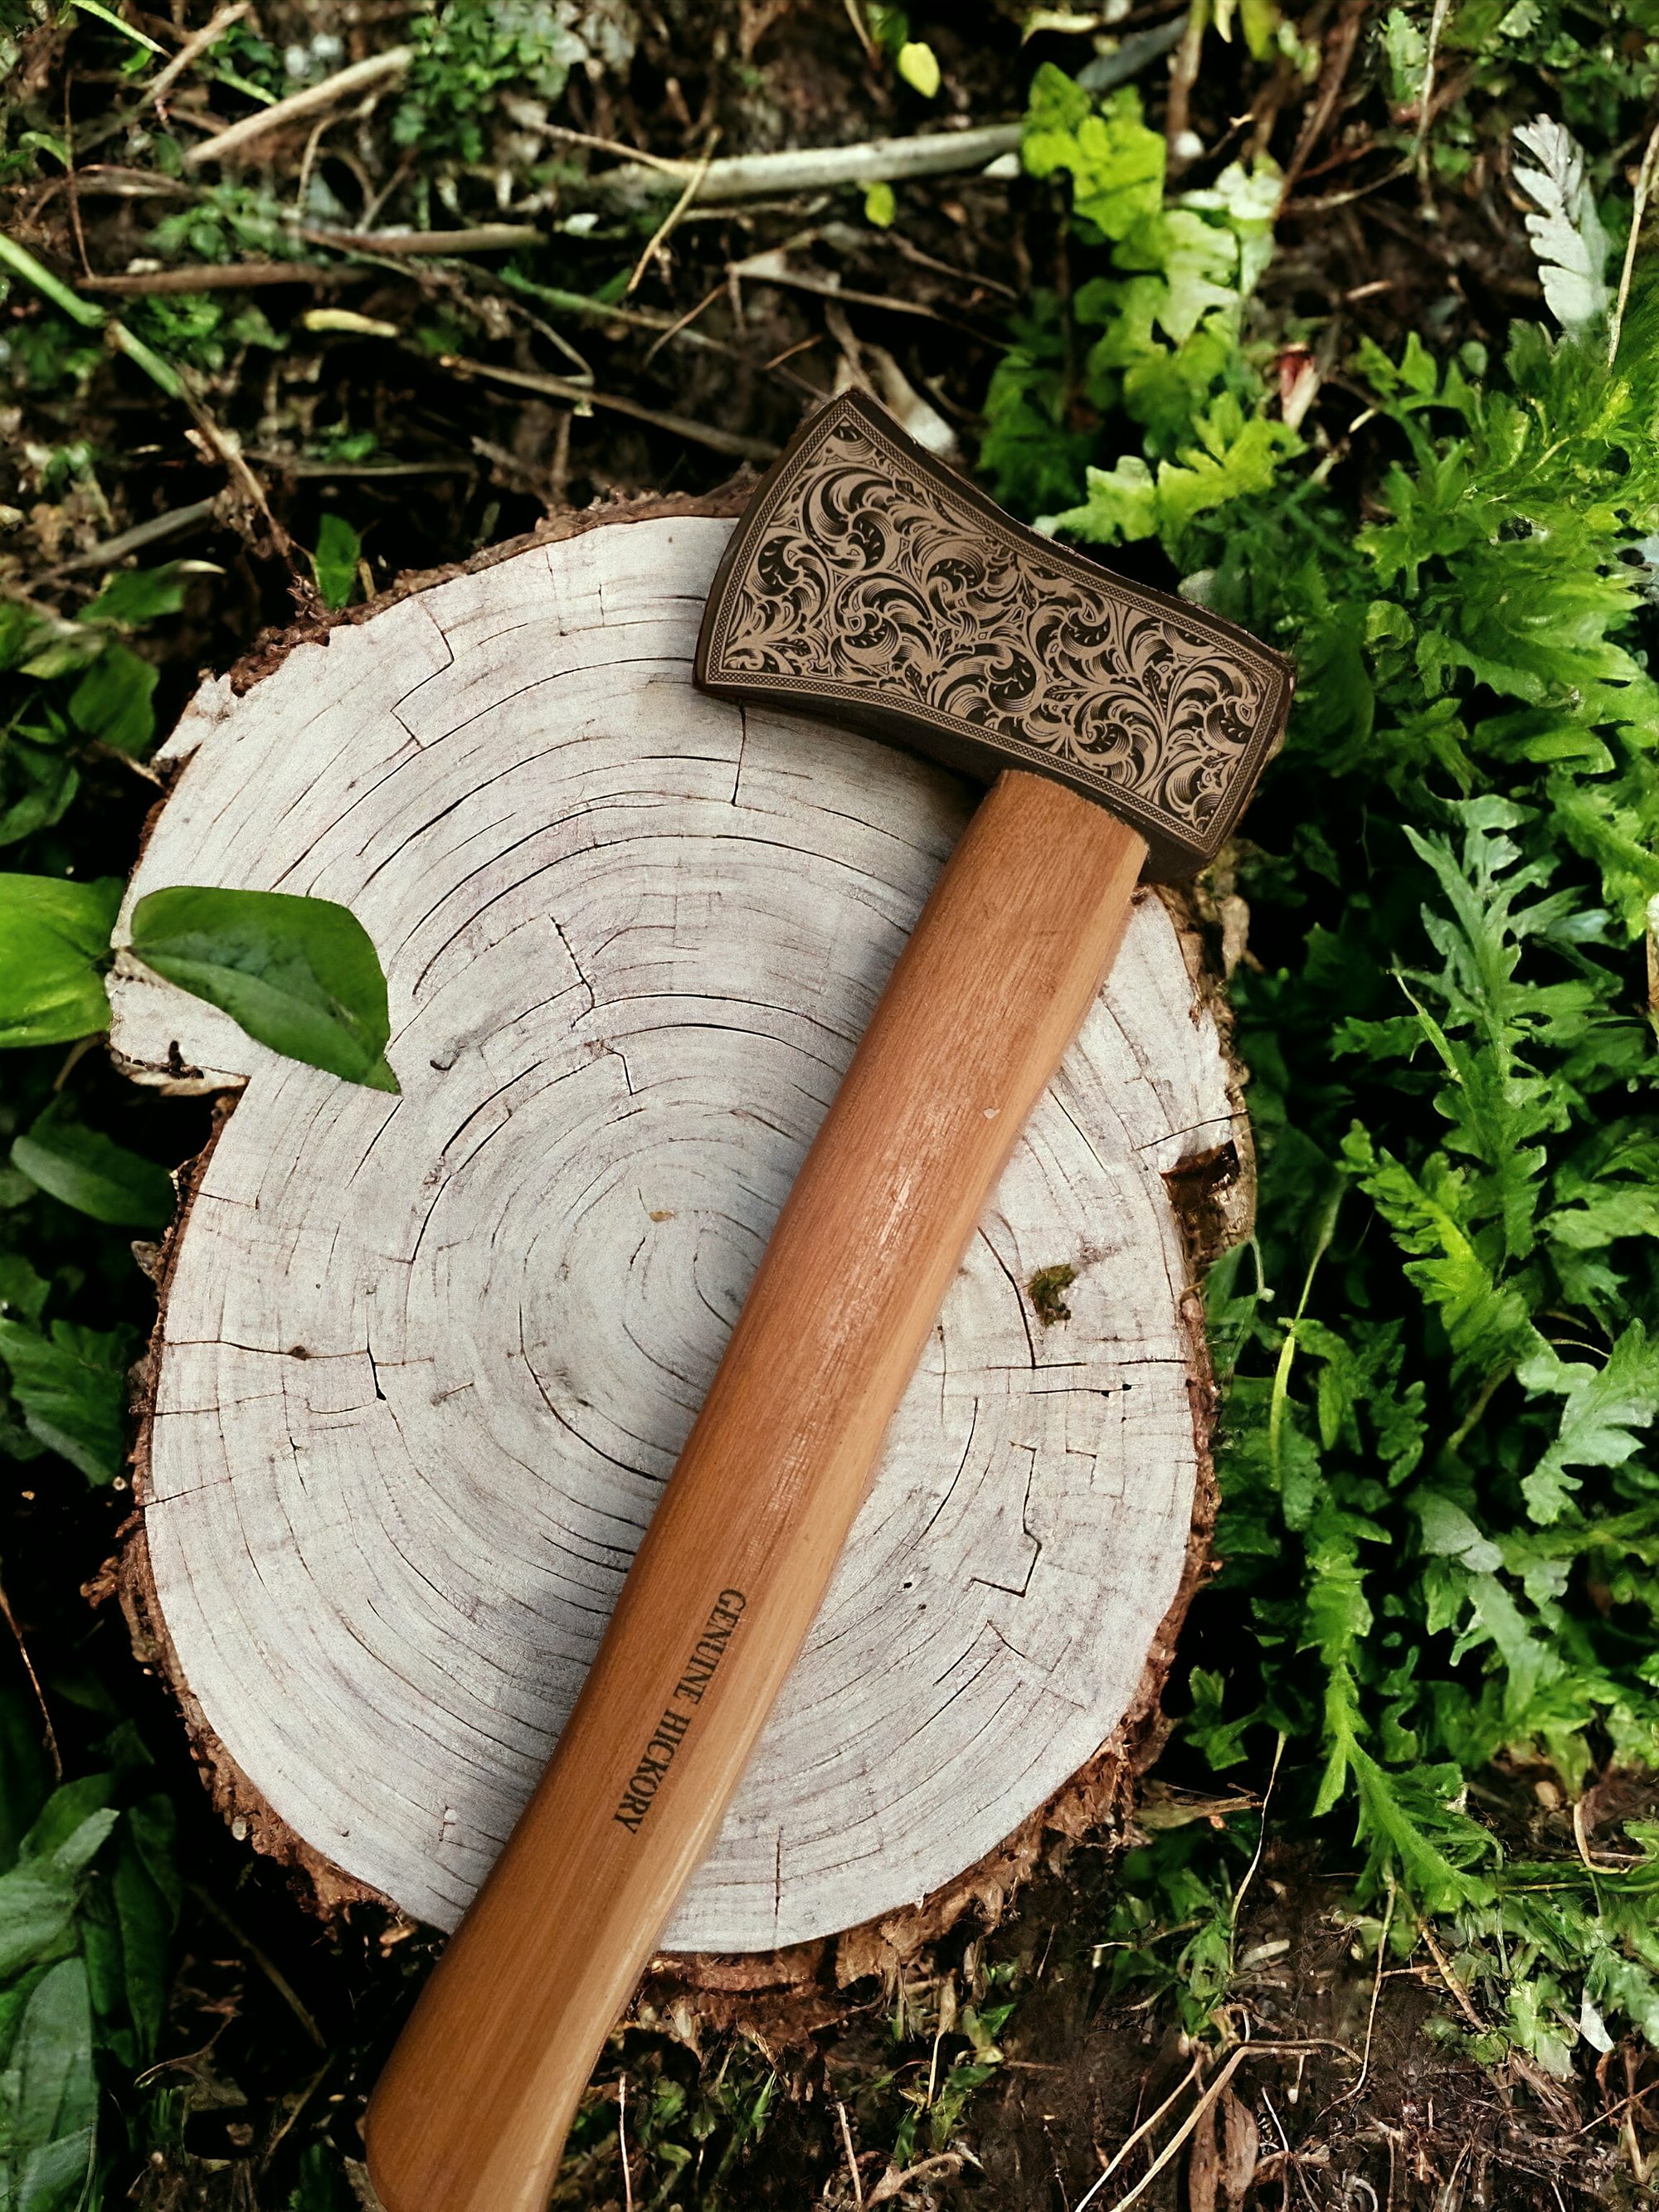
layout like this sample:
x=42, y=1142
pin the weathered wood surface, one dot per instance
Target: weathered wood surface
x=424, y=1363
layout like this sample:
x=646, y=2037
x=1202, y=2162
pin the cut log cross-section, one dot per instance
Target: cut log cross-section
x=423, y=1362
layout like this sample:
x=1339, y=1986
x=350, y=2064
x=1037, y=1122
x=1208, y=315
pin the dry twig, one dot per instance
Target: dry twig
x=195, y=45
x=561, y=387
x=664, y=229
x=11, y=1622
x=814, y=168
x=1644, y=185
x=1348, y=2095
x=159, y=526
x=852, y=2162
x=360, y=76
x=220, y=276
x=483, y=238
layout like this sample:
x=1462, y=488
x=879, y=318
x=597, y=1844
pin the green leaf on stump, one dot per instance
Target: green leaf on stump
x=54, y=941
x=300, y=974
x=91, y=1172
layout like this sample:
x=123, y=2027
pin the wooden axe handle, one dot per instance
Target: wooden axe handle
x=473, y=2111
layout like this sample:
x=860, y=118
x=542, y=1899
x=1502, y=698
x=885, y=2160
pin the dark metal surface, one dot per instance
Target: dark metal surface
x=868, y=584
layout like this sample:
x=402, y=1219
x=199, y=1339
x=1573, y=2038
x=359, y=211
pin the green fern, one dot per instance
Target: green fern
x=1437, y=1427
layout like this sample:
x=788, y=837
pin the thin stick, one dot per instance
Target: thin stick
x=267, y=1967
x=1183, y=75
x=1425, y=97
x=1244, y=2051
x=292, y=465
x=305, y=160
x=196, y=45
x=1338, y=55
x=1643, y=186
x=483, y=237
x=561, y=387
x=852, y=2163
x=306, y=2095
x=855, y=17
x=359, y=77
x=1261, y=1841
x=656, y=344
x=71, y=187
x=221, y=277
x=1455, y=1988
x=1370, y=2019
x=142, y=534
x=1581, y=1836
x=1146, y=2127
x=76, y=1053
x=399, y=177
x=614, y=146
x=231, y=454
x=34, y=1683
x=803, y=345
x=1169, y=2149
x=621, y=2138
x=665, y=228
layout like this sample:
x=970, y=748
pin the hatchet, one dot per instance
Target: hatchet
x=1121, y=732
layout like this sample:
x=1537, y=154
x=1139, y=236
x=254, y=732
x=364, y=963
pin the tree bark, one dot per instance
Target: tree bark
x=423, y=1363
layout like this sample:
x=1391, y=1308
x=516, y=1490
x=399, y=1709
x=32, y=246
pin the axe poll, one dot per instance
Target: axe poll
x=1121, y=732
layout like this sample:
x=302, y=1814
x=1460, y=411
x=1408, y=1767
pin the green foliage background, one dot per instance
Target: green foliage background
x=1440, y=1512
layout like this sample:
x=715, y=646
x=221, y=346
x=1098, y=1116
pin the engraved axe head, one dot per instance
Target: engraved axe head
x=868, y=584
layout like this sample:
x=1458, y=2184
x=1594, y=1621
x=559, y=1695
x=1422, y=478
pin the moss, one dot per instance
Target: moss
x=1047, y=1291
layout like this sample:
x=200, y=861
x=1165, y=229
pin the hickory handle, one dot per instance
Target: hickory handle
x=471, y=2113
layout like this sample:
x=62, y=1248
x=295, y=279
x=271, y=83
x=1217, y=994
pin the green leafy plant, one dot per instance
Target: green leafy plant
x=1168, y=355
x=88, y=1896
x=56, y=939
x=76, y=685
x=91, y=1172
x=466, y=51
x=1438, y=1352
x=334, y=563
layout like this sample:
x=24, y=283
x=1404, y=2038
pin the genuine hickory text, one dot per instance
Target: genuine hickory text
x=670, y=1729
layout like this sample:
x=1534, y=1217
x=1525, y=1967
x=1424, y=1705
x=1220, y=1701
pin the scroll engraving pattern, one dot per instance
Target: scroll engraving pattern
x=865, y=575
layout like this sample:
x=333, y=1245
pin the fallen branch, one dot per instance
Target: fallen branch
x=877, y=161
x=360, y=76
x=1645, y=177
x=664, y=229
x=1205, y=2102
x=199, y=44
x=225, y=277
x=561, y=387
x=678, y=330
x=484, y=238
x=773, y=267
x=292, y=465
x=108, y=181
x=173, y=524
x=811, y=168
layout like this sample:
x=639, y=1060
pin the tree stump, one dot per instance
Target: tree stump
x=424, y=1363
